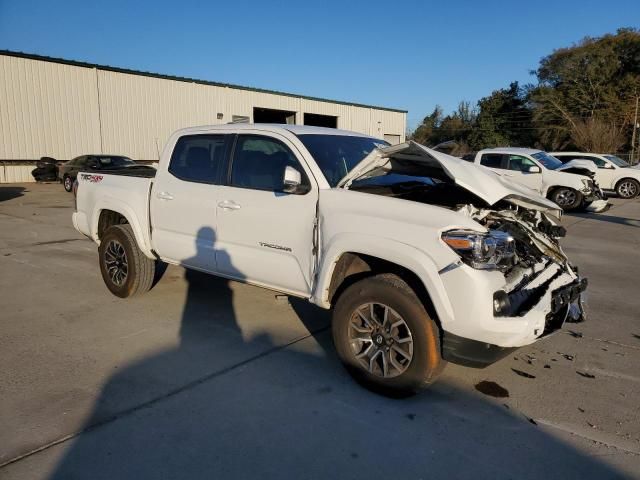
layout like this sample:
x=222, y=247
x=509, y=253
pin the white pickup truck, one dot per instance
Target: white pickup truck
x=570, y=185
x=424, y=258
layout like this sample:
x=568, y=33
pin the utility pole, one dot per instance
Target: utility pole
x=633, y=136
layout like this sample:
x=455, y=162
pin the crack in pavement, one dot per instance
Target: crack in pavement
x=603, y=438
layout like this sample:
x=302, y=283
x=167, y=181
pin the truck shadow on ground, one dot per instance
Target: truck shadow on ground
x=220, y=405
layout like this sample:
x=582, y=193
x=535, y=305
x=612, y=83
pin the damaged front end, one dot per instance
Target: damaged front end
x=511, y=283
x=537, y=272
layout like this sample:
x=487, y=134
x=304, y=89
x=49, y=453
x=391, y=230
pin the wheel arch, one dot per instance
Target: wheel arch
x=108, y=214
x=344, y=266
x=620, y=180
x=353, y=266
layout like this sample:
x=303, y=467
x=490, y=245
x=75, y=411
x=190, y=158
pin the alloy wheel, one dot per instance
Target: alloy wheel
x=115, y=261
x=566, y=198
x=628, y=189
x=380, y=340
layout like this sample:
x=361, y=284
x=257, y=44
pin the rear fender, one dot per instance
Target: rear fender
x=139, y=227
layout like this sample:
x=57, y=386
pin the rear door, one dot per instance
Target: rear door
x=266, y=235
x=183, y=201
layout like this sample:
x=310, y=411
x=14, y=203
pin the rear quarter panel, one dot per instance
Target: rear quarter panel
x=128, y=196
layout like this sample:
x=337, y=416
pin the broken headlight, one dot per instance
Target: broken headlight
x=485, y=251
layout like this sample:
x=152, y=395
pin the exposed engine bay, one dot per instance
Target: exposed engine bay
x=521, y=243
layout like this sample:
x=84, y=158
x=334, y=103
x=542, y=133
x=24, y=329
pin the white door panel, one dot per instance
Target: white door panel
x=184, y=226
x=184, y=201
x=531, y=180
x=607, y=177
x=266, y=237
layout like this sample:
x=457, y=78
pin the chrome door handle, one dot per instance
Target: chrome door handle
x=229, y=205
x=164, y=196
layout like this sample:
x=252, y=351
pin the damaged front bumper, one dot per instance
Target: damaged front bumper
x=595, y=200
x=509, y=318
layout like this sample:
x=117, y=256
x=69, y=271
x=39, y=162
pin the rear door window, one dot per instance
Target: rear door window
x=493, y=160
x=199, y=158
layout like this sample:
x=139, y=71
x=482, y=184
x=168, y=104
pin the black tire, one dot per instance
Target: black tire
x=628, y=188
x=140, y=269
x=426, y=363
x=67, y=183
x=566, y=198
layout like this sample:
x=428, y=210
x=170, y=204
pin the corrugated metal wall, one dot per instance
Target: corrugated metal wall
x=46, y=109
x=62, y=111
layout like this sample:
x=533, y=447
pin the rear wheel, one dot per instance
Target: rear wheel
x=628, y=188
x=67, y=182
x=385, y=337
x=126, y=271
x=566, y=198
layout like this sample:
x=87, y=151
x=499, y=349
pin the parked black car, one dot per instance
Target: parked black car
x=46, y=170
x=68, y=171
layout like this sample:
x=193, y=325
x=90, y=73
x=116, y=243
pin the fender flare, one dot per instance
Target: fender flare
x=140, y=234
x=406, y=256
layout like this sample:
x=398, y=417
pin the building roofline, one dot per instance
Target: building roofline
x=75, y=63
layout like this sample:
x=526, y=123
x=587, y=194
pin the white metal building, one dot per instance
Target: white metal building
x=62, y=109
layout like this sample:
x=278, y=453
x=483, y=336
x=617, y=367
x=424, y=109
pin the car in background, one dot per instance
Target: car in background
x=612, y=172
x=570, y=186
x=68, y=171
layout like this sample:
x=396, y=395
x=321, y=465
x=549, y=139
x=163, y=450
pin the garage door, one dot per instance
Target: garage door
x=392, y=139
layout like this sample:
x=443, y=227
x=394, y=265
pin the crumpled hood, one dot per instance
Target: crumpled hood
x=577, y=163
x=479, y=180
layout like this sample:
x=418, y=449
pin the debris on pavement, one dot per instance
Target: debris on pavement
x=523, y=374
x=492, y=389
x=585, y=374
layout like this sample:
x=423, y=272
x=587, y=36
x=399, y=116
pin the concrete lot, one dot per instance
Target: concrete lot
x=204, y=378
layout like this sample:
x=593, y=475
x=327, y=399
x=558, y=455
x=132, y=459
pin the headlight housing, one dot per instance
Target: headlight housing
x=494, y=250
x=588, y=184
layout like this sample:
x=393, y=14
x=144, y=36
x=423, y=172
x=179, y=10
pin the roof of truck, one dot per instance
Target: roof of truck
x=295, y=129
x=576, y=153
x=525, y=151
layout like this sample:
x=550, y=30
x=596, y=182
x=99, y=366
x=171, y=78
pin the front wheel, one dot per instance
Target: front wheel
x=566, y=198
x=126, y=271
x=67, y=182
x=385, y=337
x=628, y=188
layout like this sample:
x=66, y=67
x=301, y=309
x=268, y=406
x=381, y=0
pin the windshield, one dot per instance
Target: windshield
x=617, y=161
x=336, y=155
x=547, y=160
x=115, y=161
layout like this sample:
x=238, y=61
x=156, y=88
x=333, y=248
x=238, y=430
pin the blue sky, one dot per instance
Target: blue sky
x=411, y=55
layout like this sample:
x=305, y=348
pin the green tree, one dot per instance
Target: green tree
x=504, y=119
x=586, y=93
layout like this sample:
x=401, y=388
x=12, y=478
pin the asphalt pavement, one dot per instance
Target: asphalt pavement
x=206, y=378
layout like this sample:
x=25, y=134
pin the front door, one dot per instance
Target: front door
x=518, y=169
x=184, y=198
x=266, y=235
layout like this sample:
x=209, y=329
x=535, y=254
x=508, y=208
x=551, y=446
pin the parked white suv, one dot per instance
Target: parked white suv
x=569, y=186
x=423, y=257
x=612, y=172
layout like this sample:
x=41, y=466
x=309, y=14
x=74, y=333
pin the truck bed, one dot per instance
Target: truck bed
x=123, y=190
x=141, y=171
